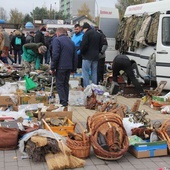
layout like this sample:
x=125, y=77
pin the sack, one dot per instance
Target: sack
x=17, y=41
x=8, y=138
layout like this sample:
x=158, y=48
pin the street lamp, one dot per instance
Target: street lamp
x=97, y=8
x=54, y=9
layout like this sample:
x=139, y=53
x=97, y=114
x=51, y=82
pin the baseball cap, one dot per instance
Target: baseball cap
x=52, y=32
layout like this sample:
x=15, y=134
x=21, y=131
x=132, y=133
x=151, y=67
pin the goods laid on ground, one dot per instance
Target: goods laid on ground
x=106, y=132
x=64, y=159
x=108, y=136
x=164, y=133
x=79, y=143
x=37, y=147
x=8, y=138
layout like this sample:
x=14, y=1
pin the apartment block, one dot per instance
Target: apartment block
x=72, y=6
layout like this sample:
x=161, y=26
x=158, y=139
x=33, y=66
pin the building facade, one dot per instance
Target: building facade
x=72, y=6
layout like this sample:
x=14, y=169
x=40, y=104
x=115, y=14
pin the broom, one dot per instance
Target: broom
x=61, y=145
x=62, y=159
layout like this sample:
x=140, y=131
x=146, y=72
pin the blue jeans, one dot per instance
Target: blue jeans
x=89, y=67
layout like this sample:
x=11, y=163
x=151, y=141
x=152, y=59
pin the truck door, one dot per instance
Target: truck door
x=163, y=50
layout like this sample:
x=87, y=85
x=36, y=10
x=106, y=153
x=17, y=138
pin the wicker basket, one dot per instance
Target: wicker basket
x=80, y=149
x=102, y=123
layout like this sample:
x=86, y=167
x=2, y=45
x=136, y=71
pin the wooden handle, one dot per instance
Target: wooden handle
x=51, y=130
x=61, y=145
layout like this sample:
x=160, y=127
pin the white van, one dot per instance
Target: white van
x=161, y=51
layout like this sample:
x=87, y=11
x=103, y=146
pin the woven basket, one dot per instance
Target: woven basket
x=80, y=149
x=102, y=124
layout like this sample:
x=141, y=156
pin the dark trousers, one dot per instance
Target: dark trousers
x=125, y=64
x=41, y=56
x=79, y=65
x=17, y=53
x=100, y=70
x=62, y=85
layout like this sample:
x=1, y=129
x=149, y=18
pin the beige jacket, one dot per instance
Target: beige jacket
x=1, y=40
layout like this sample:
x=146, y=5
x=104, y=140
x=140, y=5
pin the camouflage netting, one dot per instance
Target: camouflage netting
x=137, y=32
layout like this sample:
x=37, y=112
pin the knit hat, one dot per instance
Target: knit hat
x=86, y=25
x=43, y=49
x=32, y=32
x=52, y=32
x=43, y=29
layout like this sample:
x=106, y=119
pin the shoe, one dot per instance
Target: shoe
x=65, y=108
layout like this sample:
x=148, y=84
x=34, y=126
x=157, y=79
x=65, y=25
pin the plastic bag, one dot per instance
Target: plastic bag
x=129, y=124
x=135, y=139
x=29, y=83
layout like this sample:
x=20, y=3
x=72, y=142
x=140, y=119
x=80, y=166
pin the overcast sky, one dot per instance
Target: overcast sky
x=26, y=6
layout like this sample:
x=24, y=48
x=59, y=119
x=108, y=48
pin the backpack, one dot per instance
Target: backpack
x=17, y=41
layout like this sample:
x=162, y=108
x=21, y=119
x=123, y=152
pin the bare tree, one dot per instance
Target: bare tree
x=16, y=17
x=84, y=10
x=3, y=14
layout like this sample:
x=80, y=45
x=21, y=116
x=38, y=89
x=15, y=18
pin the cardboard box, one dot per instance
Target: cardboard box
x=160, y=100
x=67, y=114
x=32, y=99
x=63, y=130
x=149, y=149
x=7, y=101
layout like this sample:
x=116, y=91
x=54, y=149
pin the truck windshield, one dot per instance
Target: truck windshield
x=166, y=31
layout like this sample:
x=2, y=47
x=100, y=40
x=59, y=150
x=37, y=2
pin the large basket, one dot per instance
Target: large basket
x=80, y=149
x=102, y=123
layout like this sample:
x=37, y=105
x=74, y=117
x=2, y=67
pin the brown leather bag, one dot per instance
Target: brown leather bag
x=8, y=138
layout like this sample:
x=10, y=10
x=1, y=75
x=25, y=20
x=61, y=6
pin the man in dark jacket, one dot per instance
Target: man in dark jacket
x=63, y=62
x=39, y=38
x=122, y=62
x=17, y=42
x=90, y=48
x=47, y=40
x=52, y=37
x=102, y=56
x=30, y=37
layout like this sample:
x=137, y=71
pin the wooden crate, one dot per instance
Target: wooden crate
x=63, y=130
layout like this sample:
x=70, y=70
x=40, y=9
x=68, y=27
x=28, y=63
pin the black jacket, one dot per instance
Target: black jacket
x=17, y=47
x=39, y=37
x=91, y=45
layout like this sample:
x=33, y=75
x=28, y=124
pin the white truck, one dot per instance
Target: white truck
x=161, y=51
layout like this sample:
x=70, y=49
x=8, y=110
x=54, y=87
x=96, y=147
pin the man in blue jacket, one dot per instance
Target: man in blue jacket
x=63, y=62
x=77, y=38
